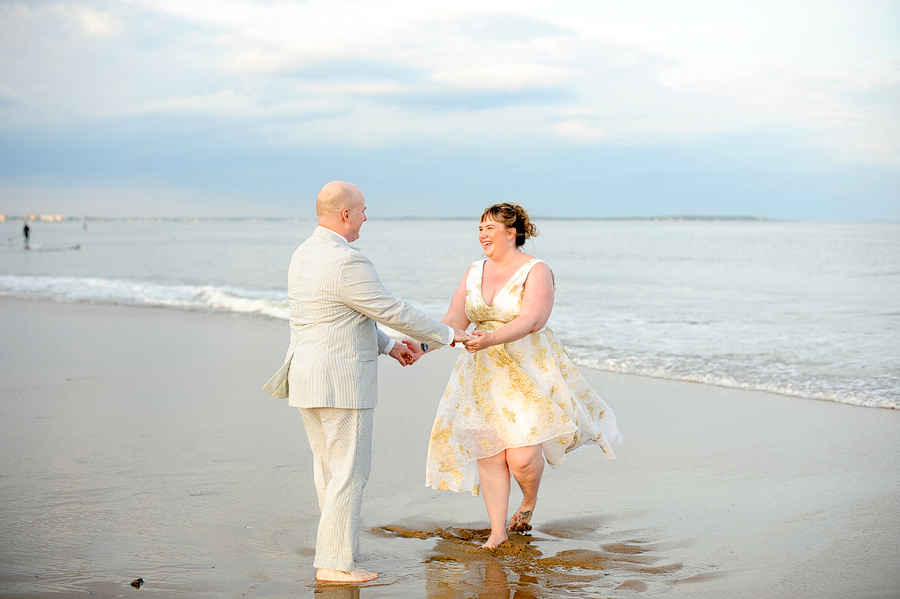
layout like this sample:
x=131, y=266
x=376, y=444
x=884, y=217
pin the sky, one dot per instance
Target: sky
x=784, y=109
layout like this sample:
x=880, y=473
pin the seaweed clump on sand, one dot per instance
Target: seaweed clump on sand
x=470, y=540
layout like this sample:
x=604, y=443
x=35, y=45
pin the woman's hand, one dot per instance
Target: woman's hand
x=415, y=348
x=479, y=340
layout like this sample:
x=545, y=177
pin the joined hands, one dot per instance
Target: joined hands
x=478, y=340
x=409, y=352
x=402, y=354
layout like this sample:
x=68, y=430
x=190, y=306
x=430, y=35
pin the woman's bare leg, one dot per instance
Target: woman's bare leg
x=527, y=465
x=494, y=474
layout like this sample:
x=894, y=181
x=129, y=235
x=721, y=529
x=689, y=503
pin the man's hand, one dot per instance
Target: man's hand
x=459, y=336
x=415, y=349
x=401, y=353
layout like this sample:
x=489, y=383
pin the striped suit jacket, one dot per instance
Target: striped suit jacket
x=336, y=298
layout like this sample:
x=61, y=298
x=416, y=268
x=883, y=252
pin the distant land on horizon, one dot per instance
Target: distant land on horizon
x=209, y=219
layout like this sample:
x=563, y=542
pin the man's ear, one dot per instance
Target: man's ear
x=345, y=215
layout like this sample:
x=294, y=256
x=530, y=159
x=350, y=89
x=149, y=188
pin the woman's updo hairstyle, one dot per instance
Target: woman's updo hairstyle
x=514, y=217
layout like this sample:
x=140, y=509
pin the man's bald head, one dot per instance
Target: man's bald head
x=336, y=196
x=341, y=207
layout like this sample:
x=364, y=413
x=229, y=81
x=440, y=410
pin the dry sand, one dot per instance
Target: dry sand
x=136, y=443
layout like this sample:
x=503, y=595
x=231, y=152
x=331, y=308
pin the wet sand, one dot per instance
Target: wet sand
x=136, y=443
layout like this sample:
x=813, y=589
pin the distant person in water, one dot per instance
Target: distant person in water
x=26, y=231
x=514, y=399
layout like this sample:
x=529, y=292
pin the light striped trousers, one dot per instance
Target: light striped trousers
x=341, y=443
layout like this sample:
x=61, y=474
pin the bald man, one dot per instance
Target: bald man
x=336, y=298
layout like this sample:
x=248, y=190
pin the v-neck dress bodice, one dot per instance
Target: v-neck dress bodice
x=507, y=300
x=526, y=392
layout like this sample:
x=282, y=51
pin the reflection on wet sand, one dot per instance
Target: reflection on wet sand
x=458, y=568
x=336, y=591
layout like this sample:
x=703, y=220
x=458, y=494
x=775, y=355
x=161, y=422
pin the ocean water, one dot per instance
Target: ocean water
x=802, y=309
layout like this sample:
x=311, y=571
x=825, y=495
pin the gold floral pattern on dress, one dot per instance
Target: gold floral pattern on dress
x=452, y=471
x=519, y=381
x=539, y=358
x=514, y=354
x=558, y=349
x=481, y=389
x=525, y=392
x=441, y=434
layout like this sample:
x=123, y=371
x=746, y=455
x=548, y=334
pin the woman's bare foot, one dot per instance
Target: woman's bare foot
x=495, y=540
x=358, y=575
x=520, y=521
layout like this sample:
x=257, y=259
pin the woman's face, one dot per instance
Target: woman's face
x=493, y=236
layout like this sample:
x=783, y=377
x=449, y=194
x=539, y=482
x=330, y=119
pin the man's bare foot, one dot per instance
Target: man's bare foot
x=495, y=540
x=520, y=521
x=358, y=575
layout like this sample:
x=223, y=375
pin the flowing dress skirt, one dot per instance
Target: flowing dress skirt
x=523, y=393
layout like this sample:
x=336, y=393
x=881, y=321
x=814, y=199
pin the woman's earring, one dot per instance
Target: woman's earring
x=509, y=243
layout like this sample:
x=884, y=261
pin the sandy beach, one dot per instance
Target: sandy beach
x=136, y=443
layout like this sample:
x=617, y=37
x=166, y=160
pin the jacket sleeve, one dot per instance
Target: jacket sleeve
x=383, y=341
x=362, y=290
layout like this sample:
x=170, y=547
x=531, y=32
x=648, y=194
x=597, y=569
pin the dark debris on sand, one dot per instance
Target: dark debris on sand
x=471, y=539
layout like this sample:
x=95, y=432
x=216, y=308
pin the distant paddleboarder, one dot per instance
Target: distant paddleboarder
x=26, y=231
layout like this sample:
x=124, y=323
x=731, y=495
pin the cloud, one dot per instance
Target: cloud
x=477, y=100
x=579, y=128
x=100, y=76
x=509, y=76
x=506, y=28
x=225, y=102
x=359, y=69
x=645, y=71
x=95, y=22
x=67, y=19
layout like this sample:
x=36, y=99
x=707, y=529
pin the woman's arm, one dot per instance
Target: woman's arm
x=537, y=304
x=456, y=318
x=456, y=315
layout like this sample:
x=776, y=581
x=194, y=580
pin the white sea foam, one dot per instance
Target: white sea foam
x=709, y=371
x=734, y=371
x=800, y=309
x=141, y=293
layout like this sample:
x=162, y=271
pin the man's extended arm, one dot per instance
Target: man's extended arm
x=362, y=290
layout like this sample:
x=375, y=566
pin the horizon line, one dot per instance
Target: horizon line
x=66, y=218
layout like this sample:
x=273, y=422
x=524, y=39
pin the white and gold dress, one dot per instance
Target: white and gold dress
x=522, y=393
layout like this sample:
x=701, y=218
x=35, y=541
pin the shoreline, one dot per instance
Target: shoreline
x=277, y=314
x=139, y=444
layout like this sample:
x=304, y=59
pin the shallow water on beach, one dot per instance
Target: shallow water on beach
x=800, y=309
x=136, y=443
x=202, y=485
